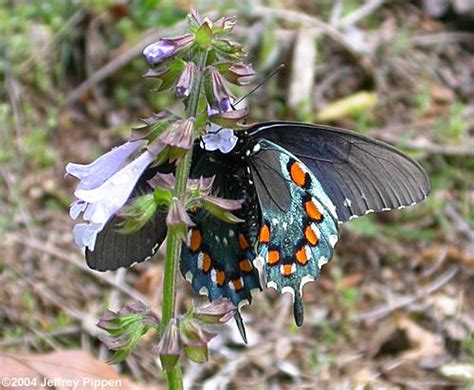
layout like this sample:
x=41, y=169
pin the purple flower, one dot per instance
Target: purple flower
x=105, y=186
x=165, y=48
x=185, y=81
x=220, y=139
x=217, y=93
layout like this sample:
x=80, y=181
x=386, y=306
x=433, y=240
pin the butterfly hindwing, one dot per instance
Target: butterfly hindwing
x=218, y=257
x=299, y=225
x=217, y=260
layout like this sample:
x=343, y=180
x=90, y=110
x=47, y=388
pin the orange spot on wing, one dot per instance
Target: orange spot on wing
x=243, y=243
x=245, y=265
x=196, y=239
x=301, y=256
x=313, y=211
x=311, y=236
x=237, y=283
x=273, y=257
x=206, y=262
x=220, y=278
x=287, y=269
x=298, y=175
x=264, y=236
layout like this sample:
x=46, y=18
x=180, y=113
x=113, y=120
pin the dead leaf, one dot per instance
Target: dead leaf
x=424, y=343
x=63, y=370
x=351, y=280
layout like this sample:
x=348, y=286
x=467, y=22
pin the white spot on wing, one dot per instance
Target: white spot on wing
x=200, y=261
x=204, y=291
x=305, y=279
x=273, y=285
x=315, y=230
x=333, y=238
x=288, y=289
x=347, y=202
x=189, y=276
x=322, y=260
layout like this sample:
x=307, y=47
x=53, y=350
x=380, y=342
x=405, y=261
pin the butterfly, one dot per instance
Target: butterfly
x=299, y=182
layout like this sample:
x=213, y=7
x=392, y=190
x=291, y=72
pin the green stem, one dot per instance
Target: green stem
x=173, y=242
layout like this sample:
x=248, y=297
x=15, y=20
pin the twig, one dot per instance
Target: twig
x=111, y=67
x=360, y=13
x=29, y=339
x=461, y=225
x=442, y=38
x=60, y=254
x=387, y=308
x=330, y=31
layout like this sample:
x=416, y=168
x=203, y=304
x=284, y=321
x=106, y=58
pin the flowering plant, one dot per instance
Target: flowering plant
x=196, y=65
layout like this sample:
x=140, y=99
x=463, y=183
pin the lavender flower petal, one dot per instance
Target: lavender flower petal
x=158, y=51
x=77, y=207
x=94, y=174
x=114, y=192
x=223, y=139
x=85, y=234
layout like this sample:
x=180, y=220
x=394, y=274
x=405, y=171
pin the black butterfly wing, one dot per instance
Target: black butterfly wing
x=359, y=174
x=114, y=250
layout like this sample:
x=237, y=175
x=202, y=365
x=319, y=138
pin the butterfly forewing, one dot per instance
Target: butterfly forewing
x=358, y=174
x=114, y=249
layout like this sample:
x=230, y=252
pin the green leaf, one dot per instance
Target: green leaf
x=197, y=354
x=138, y=213
x=204, y=36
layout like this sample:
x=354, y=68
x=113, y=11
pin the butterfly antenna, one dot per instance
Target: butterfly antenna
x=277, y=69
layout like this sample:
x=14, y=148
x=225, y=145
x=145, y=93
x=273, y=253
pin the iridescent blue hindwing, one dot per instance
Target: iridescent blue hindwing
x=299, y=223
x=217, y=260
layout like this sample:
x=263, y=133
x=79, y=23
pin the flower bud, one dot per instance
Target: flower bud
x=193, y=332
x=178, y=218
x=125, y=328
x=238, y=73
x=217, y=93
x=185, y=81
x=217, y=312
x=174, y=142
x=165, y=48
x=170, y=347
x=167, y=74
x=221, y=208
x=224, y=25
x=228, y=49
x=231, y=119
